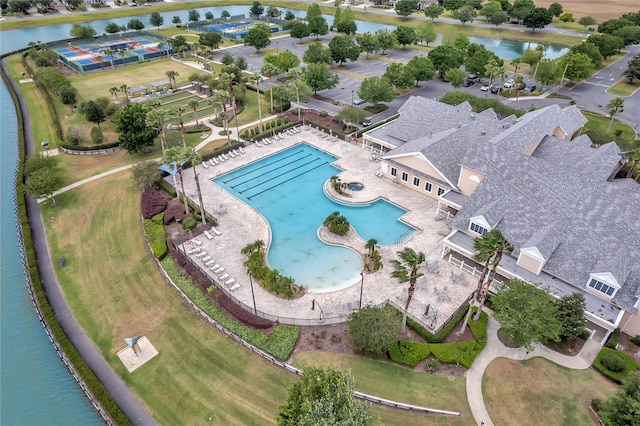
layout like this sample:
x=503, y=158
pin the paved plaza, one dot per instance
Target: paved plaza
x=443, y=286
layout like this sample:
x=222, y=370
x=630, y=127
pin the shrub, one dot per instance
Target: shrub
x=96, y=135
x=156, y=236
x=73, y=136
x=479, y=328
x=462, y=353
x=614, y=339
x=286, y=120
x=408, y=352
x=189, y=223
x=323, y=114
x=152, y=202
x=613, y=362
x=630, y=365
x=337, y=224
x=566, y=17
x=636, y=340
x=437, y=338
x=433, y=365
x=280, y=343
x=596, y=404
x=279, y=122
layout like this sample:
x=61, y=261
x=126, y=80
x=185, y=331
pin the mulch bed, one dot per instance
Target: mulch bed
x=315, y=117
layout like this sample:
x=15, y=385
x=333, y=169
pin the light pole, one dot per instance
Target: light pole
x=276, y=47
x=352, y=98
x=184, y=252
x=524, y=359
x=361, y=284
x=253, y=296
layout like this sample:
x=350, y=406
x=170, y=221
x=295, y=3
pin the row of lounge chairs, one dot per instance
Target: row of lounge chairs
x=223, y=157
x=216, y=268
x=278, y=136
x=209, y=235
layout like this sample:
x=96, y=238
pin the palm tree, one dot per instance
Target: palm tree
x=174, y=157
x=371, y=246
x=194, y=156
x=109, y=51
x=161, y=46
x=516, y=64
x=157, y=117
x=489, y=249
x=194, y=106
x=114, y=91
x=295, y=77
x=195, y=47
x=407, y=269
x=172, y=77
x=256, y=78
x=615, y=106
x=178, y=112
x=270, y=70
x=226, y=79
x=124, y=89
x=222, y=96
x=540, y=48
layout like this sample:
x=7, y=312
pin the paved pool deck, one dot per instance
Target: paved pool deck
x=444, y=286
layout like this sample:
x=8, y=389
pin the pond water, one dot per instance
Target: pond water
x=511, y=49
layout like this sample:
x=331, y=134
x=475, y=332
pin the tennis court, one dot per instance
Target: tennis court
x=236, y=30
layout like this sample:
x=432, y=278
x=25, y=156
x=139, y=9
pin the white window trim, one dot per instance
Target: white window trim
x=404, y=177
x=417, y=185
x=430, y=190
x=479, y=221
x=440, y=191
x=600, y=292
x=394, y=172
x=534, y=254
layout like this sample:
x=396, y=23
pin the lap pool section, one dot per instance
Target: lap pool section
x=287, y=189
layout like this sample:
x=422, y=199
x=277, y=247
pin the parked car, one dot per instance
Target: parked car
x=358, y=102
x=530, y=88
x=468, y=83
x=508, y=84
x=472, y=77
x=496, y=89
x=485, y=88
x=366, y=122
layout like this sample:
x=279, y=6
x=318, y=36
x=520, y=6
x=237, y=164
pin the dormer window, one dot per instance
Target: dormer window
x=602, y=287
x=603, y=283
x=479, y=225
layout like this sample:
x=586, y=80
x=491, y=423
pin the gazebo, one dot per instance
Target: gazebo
x=138, y=89
x=160, y=85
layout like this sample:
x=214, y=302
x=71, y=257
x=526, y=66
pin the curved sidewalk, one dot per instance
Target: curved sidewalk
x=127, y=402
x=495, y=349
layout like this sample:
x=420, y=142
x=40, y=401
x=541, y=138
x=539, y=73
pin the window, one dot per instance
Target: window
x=602, y=287
x=394, y=172
x=416, y=181
x=427, y=186
x=477, y=228
x=441, y=191
x=405, y=176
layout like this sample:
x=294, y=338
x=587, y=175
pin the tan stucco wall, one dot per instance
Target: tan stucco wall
x=559, y=133
x=631, y=324
x=421, y=165
x=597, y=293
x=466, y=185
x=409, y=183
x=529, y=263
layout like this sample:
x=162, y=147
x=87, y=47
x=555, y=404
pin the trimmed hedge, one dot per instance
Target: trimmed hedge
x=463, y=353
x=154, y=230
x=87, y=376
x=279, y=344
x=479, y=328
x=90, y=147
x=630, y=365
x=408, y=352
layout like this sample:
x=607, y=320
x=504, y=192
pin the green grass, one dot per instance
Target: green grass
x=596, y=128
x=624, y=88
x=630, y=365
x=115, y=291
x=541, y=393
x=397, y=383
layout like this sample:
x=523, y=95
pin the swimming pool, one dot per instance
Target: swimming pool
x=287, y=189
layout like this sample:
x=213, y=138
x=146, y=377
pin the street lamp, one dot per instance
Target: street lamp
x=255, y=310
x=184, y=252
x=276, y=47
x=361, y=285
x=524, y=359
x=352, y=97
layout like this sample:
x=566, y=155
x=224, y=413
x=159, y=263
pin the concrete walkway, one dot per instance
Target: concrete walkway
x=495, y=349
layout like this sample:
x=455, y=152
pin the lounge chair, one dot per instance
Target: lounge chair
x=235, y=287
x=231, y=154
x=201, y=254
x=210, y=262
x=224, y=156
x=209, y=236
x=266, y=141
x=224, y=276
x=237, y=153
x=213, y=163
x=291, y=132
x=214, y=267
x=196, y=241
x=258, y=144
x=206, y=259
x=204, y=164
x=230, y=282
x=193, y=250
x=241, y=150
x=215, y=231
x=220, y=159
x=218, y=269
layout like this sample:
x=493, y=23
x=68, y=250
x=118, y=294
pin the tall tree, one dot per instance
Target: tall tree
x=178, y=113
x=398, y=76
x=269, y=70
x=145, y=174
x=426, y=33
x=347, y=22
x=368, y=43
x=587, y=20
x=614, y=106
x=633, y=68
x=258, y=37
x=405, y=35
x=372, y=329
x=114, y=91
x=256, y=78
x=94, y=113
x=555, y=9
x=537, y=18
x=174, y=157
x=386, y=39
x=405, y=8
x=526, y=314
x=301, y=89
x=464, y=14
x=376, y=90
x=299, y=30
x=407, y=269
x=445, y=57
x=193, y=104
x=135, y=134
x=343, y=48
x=194, y=157
x=570, y=315
x=433, y=11
x=317, y=53
x=82, y=31
x=256, y=9
x=317, y=23
x=43, y=177
x=576, y=66
x=193, y=15
x=623, y=408
x=421, y=68
x=157, y=118
x=323, y=397
x=171, y=75
x=227, y=82
x=222, y=97
x=319, y=77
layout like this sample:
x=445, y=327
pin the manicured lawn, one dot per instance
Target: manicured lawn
x=200, y=376
x=596, y=128
x=541, y=393
x=93, y=85
x=400, y=384
x=624, y=88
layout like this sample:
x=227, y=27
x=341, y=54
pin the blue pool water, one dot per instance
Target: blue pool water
x=286, y=188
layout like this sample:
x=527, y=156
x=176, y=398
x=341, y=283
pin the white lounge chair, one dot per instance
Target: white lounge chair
x=220, y=159
x=258, y=144
x=201, y=254
x=215, y=231
x=214, y=267
x=196, y=241
x=209, y=236
x=266, y=141
x=224, y=156
x=230, y=282
x=193, y=250
x=211, y=162
x=235, y=287
x=223, y=276
x=210, y=262
x=215, y=161
x=204, y=164
x=231, y=154
x=218, y=269
x=236, y=152
x=206, y=259
x=241, y=150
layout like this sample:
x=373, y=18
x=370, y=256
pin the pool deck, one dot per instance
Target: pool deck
x=443, y=286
